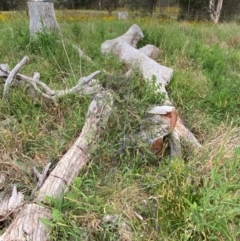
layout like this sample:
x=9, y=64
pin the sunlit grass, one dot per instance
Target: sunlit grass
x=3, y=17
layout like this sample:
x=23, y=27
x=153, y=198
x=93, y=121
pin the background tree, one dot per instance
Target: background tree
x=110, y=5
x=230, y=9
x=162, y=4
x=193, y=9
x=202, y=9
x=121, y=3
x=4, y=6
x=215, y=7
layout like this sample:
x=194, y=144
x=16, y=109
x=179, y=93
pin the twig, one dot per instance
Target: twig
x=12, y=75
x=83, y=81
x=41, y=177
x=82, y=54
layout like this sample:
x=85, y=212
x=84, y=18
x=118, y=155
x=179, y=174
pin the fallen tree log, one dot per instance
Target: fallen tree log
x=27, y=224
x=76, y=157
x=126, y=53
x=132, y=36
x=151, y=51
x=123, y=48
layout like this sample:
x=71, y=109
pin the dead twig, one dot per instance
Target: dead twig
x=12, y=75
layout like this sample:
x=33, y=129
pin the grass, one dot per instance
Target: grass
x=153, y=199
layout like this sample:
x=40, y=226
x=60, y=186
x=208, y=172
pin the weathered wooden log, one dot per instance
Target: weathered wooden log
x=175, y=145
x=151, y=51
x=27, y=224
x=149, y=68
x=123, y=15
x=42, y=17
x=160, y=122
x=76, y=157
x=151, y=71
x=132, y=36
x=10, y=202
x=165, y=121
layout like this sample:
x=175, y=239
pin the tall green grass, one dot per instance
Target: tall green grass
x=195, y=199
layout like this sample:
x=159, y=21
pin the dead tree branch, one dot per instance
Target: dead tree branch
x=82, y=86
x=11, y=76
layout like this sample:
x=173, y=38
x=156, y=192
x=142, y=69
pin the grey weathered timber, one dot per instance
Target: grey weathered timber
x=27, y=224
x=124, y=48
x=42, y=17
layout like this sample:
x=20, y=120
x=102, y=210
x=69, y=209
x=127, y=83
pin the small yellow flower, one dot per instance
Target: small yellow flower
x=3, y=17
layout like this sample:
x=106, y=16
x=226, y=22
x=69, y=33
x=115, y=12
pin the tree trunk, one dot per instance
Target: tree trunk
x=215, y=9
x=123, y=47
x=27, y=224
x=42, y=17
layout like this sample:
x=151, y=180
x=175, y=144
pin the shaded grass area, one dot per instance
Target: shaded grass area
x=195, y=199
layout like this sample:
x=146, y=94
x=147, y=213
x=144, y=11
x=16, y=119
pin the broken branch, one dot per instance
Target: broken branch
x=11, y=76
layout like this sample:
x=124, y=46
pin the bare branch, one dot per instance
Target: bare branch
x=46, y=91
x=12, y=75
x=83, y=81
x=41, y=177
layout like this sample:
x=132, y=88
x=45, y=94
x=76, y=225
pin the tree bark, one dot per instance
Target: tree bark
x=42, y=17
x=215, y=9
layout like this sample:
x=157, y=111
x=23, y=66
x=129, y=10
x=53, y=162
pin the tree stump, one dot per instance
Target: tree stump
x=42, y=17
x=123, y=15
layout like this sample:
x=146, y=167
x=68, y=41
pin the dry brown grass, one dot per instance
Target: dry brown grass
x=221, y=148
